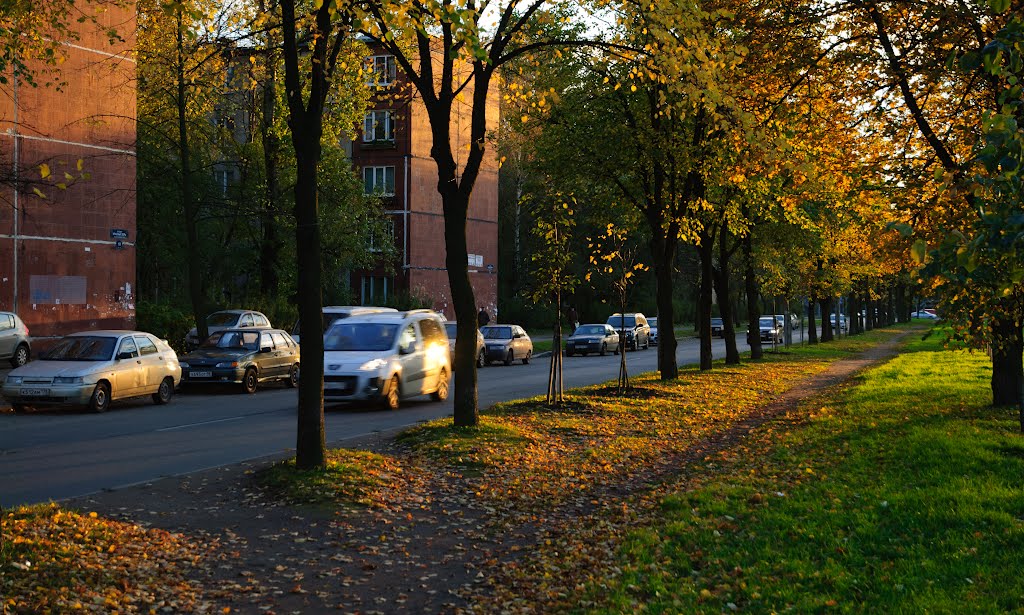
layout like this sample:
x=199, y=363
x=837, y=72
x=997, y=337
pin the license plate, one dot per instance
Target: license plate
x=200, y=374
x=35, y=392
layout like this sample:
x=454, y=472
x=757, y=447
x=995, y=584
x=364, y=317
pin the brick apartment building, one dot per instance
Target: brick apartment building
x=393, y=155
x=67, y=261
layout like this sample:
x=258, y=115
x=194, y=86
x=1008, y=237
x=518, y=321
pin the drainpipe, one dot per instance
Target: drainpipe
x=405, y=227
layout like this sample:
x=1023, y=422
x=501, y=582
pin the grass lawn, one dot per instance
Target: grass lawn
x=902, y=494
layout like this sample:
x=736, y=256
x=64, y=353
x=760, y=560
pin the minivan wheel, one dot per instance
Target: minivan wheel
x=20, y=356
x=391, y=395
x=165, y=392
x=100, y=401
x=250, y=381
x=441, y=393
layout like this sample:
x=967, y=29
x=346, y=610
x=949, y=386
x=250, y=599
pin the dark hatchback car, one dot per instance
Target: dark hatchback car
x=717, y=327
x=243, y=356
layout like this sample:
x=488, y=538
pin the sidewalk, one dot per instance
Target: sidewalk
x=434, y=549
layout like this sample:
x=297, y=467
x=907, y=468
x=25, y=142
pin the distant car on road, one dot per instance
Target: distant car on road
x=386, y=357
x=452, y=328
x=925, y=315
x=771, y=329
x=717, y=327
x=334, y=313
x=14, y=343
x=507, y=343
x=93, y=368
x=844, y=323
x=228, y=319
x=595, y=338
x=652, y=322
x=243, y=356
x=638, y=332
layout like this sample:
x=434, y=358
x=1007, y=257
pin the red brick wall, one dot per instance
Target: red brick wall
x=67, y=234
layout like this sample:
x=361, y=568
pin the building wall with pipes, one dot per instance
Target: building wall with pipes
x=394, y=147
x=67, y=188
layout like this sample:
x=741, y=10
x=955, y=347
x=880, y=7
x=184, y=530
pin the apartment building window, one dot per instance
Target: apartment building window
x=379, y=180
x=223, y=179
x=382, y=237
x=382, y=70
x=375, y=290
x=378, y=126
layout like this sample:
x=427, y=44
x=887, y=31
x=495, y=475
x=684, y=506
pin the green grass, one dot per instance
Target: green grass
x=899, y=495
x=350, y=478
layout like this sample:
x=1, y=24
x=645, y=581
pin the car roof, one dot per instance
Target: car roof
x=388, y=317
x=355, y=309
x=109, y=332
x=248, y=329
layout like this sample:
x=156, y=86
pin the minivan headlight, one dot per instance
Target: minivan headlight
x=372, y=365
x=67, y=380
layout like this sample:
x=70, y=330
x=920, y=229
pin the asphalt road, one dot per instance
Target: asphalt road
x=58, y=454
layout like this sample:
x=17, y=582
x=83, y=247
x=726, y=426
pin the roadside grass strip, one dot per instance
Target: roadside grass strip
x=900, y=494
x=352, y=479
x=61, y=561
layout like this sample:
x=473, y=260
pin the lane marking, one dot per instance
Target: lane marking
x=179, y=427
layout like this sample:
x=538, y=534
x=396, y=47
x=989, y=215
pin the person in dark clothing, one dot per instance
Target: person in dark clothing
x=574, y=320
x=482, y=318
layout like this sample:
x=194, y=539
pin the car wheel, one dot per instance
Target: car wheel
x=19, y=408
x=604, y=349
x=250, y=381
x=481, y=359
x=511, y=357
x=526, y=359
x=100, y=401
x=391, y=396
x=165, y=392
x=20, y=356
x=647, y=344
x=441, y=393
x=293, y=376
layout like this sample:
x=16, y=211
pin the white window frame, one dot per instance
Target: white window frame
x=387, y=232
x=382, y=70
x=376, y=120
x=375, y=181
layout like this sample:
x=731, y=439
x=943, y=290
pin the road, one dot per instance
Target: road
x=58, y=454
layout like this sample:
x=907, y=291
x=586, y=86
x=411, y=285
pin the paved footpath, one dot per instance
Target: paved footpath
x=432, y=554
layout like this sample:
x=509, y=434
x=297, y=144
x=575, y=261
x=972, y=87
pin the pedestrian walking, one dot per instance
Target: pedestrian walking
x=483, y=317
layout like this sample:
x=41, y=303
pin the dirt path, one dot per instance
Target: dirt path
x=433, y=551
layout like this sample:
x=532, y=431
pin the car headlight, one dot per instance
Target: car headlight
x=14, y=380
x=67, y=380
x=372, y=365
x=183, y=364
x=228, y=364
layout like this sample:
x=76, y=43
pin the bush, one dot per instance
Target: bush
x=168, y=322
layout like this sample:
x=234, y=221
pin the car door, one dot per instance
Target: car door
x=152, y=364
x=8, y=336
x=412, y=358
x=129, y=375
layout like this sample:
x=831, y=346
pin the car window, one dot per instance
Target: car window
x=222, y=319
x=246, y=321
x=360, y=336
x=239, y=340
x=652, y=322
x=81, y=348
x=128, y=345
x=616, y=321
x=261, y=321
x=6, y=322
x=408, y=337
x=497, y=333
x=146, y=346
x=433, y=333
x=280, y=342
x=452, y=329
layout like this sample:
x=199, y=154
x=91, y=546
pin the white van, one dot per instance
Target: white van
x=387, y=356
x=334, y=313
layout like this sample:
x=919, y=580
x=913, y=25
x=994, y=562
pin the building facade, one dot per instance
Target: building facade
x=67, y=189
x=392, y=153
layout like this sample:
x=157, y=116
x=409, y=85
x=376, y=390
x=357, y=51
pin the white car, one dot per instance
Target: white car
x=334, y=313
x=386, y=357
x=228, y=319
x=924, y=314
x=93, y=368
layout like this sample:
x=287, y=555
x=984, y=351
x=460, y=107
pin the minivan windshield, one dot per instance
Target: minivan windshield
x=366, y=336
x=82, y=348
x=590, y=330
x=616, y=321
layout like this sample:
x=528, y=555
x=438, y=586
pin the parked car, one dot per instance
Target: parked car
x=334, y=313
x=652, y=322
x=794, y=321
x=638, y=332
x=93, y=368
x=844, y=323
x=771, y=329
x=924, y=314
x=507, y=343
x=592, y=338
x=14, y=342
x=243, y=356
x=717, y=327
x=451, y=328
x=386, y=357
x=228, y=319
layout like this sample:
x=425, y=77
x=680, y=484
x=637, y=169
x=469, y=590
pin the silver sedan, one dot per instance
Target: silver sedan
x=93, y=368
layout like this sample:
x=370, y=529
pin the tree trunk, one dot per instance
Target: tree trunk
x=721, y=280
x=1007, y=365
x=665, y=249
x=706, y=252
x=826, y=324
x=196, y=291
x=753, y=298
x=812, y=333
